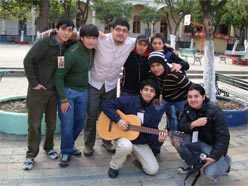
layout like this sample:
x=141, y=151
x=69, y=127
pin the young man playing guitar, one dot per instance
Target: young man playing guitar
x=145, y=146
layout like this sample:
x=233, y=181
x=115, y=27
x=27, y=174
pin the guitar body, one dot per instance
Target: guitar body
x=109, y=130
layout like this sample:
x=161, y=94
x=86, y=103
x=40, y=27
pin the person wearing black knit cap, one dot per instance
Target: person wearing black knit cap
x=173, y=85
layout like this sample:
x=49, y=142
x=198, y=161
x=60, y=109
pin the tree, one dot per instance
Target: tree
x=177, y=10
x=62, y=8
x=209, y=71
x=82, y=15
x=107, y=11
x=150, y=15
x=235, y=13
x=42, y=20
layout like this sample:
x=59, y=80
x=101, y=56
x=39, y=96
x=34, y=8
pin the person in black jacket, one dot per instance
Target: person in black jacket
x=146, y=146
x=205, y=124
x=136, y=67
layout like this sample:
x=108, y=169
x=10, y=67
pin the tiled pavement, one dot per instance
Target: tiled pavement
x=93, y=170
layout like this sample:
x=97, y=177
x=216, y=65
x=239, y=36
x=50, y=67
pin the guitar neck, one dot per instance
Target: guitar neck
x=174, y=134
x=144, y=129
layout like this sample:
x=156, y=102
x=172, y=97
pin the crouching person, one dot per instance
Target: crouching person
x=208, y=136
x=146, y=146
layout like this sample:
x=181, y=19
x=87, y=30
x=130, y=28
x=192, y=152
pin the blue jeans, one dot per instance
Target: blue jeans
x=72, y=121
x=173, y=121
x=214, y=170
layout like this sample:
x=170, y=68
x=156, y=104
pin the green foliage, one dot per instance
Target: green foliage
x=150, y=15
x=16, y=9
x=62, y=8
x=107, y=11
x=235, y=13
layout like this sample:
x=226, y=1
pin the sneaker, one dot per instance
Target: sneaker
x=88, y=151
x=109, y=147
x=210, y=180
x=76, y=152
x=52, y=154
x=112, y=173
x=28, y=164
x=64, y=160
x=184, y=170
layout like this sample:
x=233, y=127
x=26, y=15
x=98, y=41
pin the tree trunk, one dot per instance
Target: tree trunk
x=209, y=68
x=42, y=20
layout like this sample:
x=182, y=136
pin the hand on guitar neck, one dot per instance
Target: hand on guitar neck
x=129, y=126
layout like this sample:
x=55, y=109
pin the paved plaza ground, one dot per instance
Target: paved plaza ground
x=93, y=170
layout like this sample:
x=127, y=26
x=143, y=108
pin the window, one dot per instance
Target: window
x=163, y=27
x=136, y=24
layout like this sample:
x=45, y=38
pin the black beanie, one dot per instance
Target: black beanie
x=157, y=57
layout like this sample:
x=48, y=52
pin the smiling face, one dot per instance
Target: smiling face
x=89, y=41
x=157, y=44
x=147, y=93
x=119, y=34
x=64, y=33
x=195, y=99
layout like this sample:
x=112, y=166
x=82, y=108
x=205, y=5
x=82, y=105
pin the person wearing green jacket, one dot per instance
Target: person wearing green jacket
x=40, y=64
x=71, y=80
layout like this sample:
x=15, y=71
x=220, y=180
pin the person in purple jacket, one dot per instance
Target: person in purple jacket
x=146, y=146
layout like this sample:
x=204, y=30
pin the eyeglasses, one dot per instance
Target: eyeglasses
x=119, y=30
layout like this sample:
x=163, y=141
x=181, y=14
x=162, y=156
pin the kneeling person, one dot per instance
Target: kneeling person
x=146, y=146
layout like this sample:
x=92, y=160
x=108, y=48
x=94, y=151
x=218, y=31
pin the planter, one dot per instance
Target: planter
x=17, y=123
x=243, y=62
x=235, y=117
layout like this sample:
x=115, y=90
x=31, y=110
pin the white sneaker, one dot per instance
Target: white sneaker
x=184, y=170
x=52, y=154
x=28, y=164
x=210, y=180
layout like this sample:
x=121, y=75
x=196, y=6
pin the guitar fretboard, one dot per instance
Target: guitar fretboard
x=144, y=129
x=175, y=134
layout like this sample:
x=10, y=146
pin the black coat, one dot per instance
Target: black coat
x=135, y=70
x=214, y=133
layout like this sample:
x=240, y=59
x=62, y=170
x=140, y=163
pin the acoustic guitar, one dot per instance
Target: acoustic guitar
x=109, y=130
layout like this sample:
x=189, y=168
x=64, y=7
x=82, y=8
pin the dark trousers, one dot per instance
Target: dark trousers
x=95, y=97
x=39, y=102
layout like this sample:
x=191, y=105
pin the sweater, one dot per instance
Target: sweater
x=173, y=86
x=74, y=75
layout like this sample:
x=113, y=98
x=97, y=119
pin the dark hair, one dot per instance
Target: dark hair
x=158, y=35
x=121, y=22
x=198, y=88
x=89, y=30
x=64, y=21
x=151, y=83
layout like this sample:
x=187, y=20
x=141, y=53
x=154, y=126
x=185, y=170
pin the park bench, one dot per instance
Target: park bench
x=190, y=52
x=239, y=83
x=242, y=59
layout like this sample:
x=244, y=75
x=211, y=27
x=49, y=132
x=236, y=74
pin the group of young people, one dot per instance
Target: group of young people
x=79, y=80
